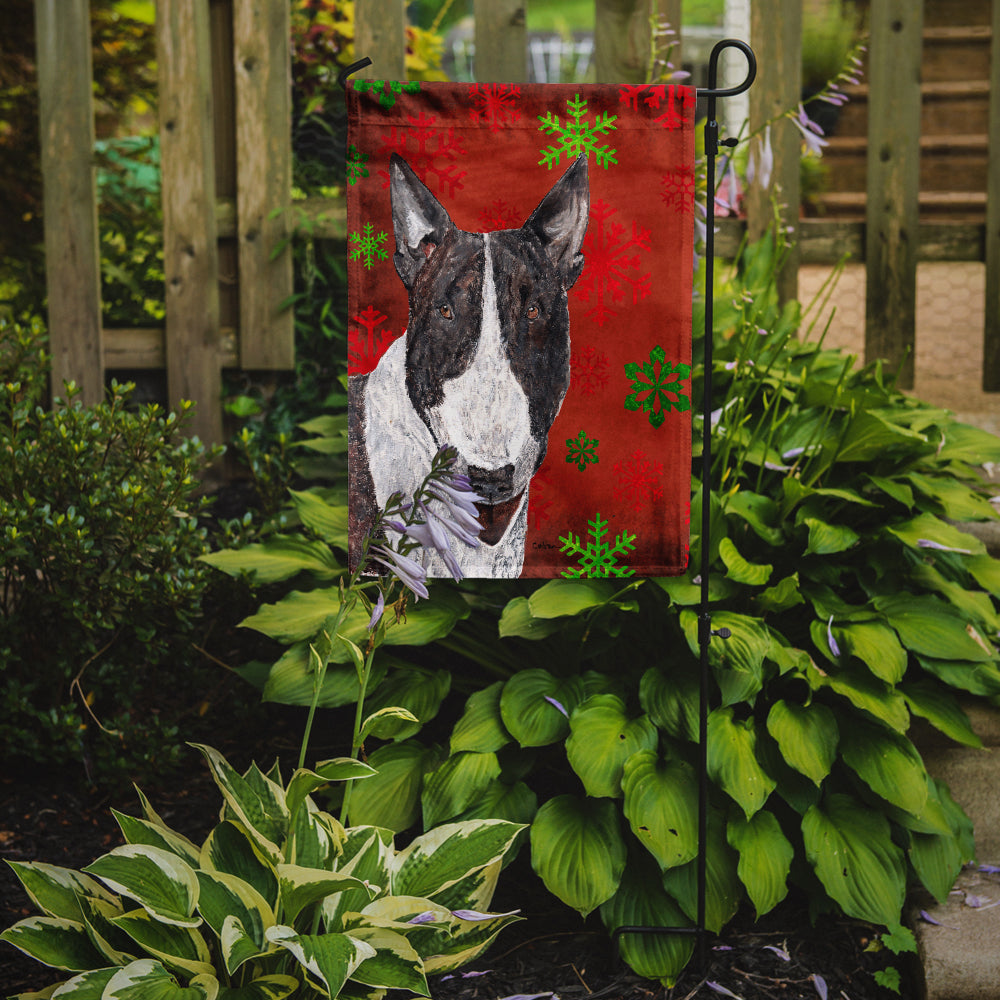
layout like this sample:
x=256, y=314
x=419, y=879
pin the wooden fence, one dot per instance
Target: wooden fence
x=226, y=161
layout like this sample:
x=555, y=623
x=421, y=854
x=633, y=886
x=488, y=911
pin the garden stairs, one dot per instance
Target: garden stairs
x=955, y=88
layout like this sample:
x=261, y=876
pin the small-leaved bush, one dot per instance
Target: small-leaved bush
x=855, y=604
x=279, y=900
x=100, y=583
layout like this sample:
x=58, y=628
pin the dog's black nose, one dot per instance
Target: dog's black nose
x=493, y=485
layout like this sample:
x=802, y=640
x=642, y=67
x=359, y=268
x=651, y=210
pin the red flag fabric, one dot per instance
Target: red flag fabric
x=520, y=274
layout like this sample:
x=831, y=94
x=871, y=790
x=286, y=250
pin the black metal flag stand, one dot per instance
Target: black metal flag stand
x=705, y=631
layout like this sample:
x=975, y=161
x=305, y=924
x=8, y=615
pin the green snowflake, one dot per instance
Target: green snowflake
x=355, y=163
x=597, y=558
x=654, y=392
x=577, y=136
x=582, y=450
x=387, y=90
x=368, y=246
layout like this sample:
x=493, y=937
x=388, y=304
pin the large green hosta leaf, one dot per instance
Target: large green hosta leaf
x=602, y=738
x=941, y=709
x=416, y=689
x=732, y=760
x=661, y=805
x=876, y=646
x=739, y=569
x=932, y=628
x=481, y=728
x=888, y=763
x=456, y=784
x=807, y=736
x=535, y=706
x=765, y=858
x=723, y=889
x=738, y=661
x=641, y=901
x=670, y=698
x=391, y=798
x=278, y=558
x=850, y=848
x=559, y=598
x=924, y=528
x=578, y=851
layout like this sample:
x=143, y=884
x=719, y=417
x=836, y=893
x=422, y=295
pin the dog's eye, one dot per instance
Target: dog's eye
x=532, y=312
x=445, y=311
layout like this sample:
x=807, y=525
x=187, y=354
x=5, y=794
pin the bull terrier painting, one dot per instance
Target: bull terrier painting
x=483, y=366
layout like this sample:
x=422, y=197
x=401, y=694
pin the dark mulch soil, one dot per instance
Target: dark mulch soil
x=551, y=951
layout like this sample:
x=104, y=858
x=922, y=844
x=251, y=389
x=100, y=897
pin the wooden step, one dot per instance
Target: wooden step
x=958, y=206
x=947, y=162
x=944, y=104
x=956, y=53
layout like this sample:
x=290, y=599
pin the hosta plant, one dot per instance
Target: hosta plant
x=279, y=900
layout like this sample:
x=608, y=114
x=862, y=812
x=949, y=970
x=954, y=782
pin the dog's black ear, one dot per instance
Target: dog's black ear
x=418, y=218
x=560, y=221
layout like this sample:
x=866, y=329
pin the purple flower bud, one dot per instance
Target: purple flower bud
x=377, y=612
x=427, y=917
x=820, y=983
x=834, y=648
x=410, y=572
x=558, y=705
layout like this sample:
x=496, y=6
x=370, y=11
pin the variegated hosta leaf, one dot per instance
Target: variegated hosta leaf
x=395, y=964
x=116, y=946
x=578, y=851
x=141, y=831
x=807, y=736
x=391, y=799
x=315, y=838
x=888, y=763
x=225, y=897
x=274, y=987
x=304, y=782
x=177, y=947
x=329, y=959
x=661, y=799
x=147, y=979
x=367, y=853
x=300, y=887
x=765, y=858
x=456, y=784
x=256, y=801
x=441, y=857
x=54, y=941
x=850, y=847
x=642, y=902
x=602, y=737
x=732, y=760
x=723, y=889
x=476, y=890
x=535, y=706
x=86, y=986
x=158, y=880
x=230, y=849
x=56, y=891
x=481, y=727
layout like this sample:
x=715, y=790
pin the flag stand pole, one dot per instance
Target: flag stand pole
x=705, y=630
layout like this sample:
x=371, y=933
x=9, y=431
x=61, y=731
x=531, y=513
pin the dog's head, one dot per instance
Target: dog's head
x=487, y=341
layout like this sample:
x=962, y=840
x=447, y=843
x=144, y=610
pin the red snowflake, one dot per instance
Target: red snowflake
x=678, y=188
x=588, y=370
x=434, y=154
x=366, y=347
x=678, y=100
x=611, y=268
x=638, y=481
x=538, y=504
x=499, y=215
x=494, y=104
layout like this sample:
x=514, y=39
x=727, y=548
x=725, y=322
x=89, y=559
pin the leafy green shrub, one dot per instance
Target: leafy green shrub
x=279, y=899
x=854, y=604
x=99, y=540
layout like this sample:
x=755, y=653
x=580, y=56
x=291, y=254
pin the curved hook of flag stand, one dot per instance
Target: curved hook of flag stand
x=705, y=631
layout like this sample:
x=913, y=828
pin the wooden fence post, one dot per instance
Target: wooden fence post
x=621, y=40
x=501, y=41
x=190, y=253
x=776, y=35
x=991, y=332
x=262, y=61
x=892, y=215
x=380, y=34
x=72, y=255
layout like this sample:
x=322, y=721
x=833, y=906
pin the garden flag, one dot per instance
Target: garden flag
x=520, y=274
